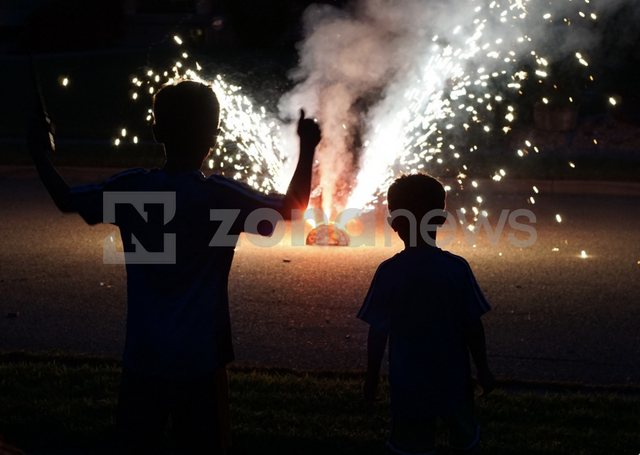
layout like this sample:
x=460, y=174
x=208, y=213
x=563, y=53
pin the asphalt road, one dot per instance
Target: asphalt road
x=556, y=315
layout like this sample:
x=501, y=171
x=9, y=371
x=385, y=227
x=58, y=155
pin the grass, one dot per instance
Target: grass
x=68, y=402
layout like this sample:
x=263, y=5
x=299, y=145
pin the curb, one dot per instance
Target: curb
x=78, y=175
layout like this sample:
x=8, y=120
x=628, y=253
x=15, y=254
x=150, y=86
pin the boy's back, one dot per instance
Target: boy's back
x=178, y=325
x=178, y=318
x=427, y=303
x=425, y=298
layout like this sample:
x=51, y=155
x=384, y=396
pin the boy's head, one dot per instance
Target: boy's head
x=186, y=116
x=419, y=194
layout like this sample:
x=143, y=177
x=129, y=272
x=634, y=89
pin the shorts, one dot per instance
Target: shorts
x=418, y=436
x=198, y=409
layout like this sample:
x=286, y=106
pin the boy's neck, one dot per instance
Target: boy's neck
x=418, y=246
x=420, y=243
x=176, y=165
x=174, y=168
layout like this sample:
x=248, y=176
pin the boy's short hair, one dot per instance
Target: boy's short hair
x=418, y=193
x=186, y=111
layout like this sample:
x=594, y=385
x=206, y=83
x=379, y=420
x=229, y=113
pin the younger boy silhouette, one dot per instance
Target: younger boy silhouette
x=427, y=303
x=178, y=339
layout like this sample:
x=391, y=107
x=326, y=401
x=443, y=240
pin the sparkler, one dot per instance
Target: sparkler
x=43, y=112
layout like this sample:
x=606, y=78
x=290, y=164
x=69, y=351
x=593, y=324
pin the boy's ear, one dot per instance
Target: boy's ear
x=214, y=139
x=399, y=223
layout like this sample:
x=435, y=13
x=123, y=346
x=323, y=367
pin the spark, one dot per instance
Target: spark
x=583, y=254
x=458, y=88
x=558, y=218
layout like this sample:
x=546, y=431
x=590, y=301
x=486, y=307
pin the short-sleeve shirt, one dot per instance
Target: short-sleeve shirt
x=425, y=299
x=178, y=323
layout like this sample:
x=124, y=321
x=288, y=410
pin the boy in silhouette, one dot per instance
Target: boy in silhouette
x=427, y=303
x=178, y=339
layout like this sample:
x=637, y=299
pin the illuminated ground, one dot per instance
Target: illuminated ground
x=556, y=315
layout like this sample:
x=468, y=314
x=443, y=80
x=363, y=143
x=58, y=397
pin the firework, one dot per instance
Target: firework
x=465, y=89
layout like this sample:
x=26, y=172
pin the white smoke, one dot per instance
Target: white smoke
x=379, y=77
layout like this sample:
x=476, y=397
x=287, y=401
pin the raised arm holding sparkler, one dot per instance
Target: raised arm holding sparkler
x=40, y=140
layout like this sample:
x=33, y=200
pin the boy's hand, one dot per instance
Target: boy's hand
x=487, y=381
x=370, y=388
x=309, y=133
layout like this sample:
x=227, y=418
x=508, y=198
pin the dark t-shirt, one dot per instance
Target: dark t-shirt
x=178, y=323
x=425, y=299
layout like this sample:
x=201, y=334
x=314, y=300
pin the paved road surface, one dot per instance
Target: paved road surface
x=556, y=316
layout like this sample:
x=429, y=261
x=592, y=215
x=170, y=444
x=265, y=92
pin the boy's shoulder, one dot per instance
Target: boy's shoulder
x=431, y=256
x=454, y=258
x=157, y=176
x=428, y=261
x=389, y=264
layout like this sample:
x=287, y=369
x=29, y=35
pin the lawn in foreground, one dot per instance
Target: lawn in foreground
x=63, y=402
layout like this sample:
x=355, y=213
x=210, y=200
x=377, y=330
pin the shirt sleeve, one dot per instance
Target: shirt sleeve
x=87, y=200
x=475, y=304
x=252, y=204
x=376, y=309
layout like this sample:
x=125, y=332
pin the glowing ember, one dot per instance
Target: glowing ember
x=328, y=235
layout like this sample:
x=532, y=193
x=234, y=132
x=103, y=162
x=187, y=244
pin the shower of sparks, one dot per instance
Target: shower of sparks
x=462, y=87
x=467, y=85
x=249, y=140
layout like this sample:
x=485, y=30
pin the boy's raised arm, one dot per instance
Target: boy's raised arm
x=40, y=144
x=297, y=196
